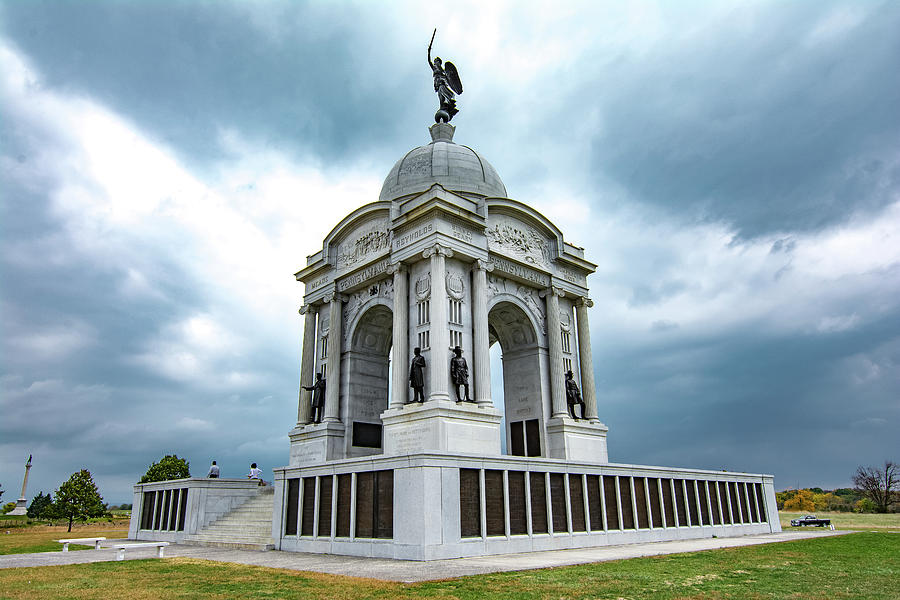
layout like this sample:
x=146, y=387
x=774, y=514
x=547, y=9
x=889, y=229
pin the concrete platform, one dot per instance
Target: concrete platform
x=408, y=571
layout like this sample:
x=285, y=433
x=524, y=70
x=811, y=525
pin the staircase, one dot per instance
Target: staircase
x=247, y=527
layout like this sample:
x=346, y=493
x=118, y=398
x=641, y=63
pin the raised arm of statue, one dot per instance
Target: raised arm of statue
x=430, y=62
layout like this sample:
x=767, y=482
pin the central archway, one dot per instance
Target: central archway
x=522, y=358
x=367, y=365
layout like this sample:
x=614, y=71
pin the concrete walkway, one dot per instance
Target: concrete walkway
x=408, y=571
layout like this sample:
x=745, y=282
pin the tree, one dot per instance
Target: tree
x=39, y=505
x=1, y=490
x=880, y=485
x=802, y=501
x=7, y=507
x=169, y=467
x=78, y=498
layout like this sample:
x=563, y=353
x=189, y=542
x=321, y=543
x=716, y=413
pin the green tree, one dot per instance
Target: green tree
x=168, y=467
x=38, y=505
x=78, y=498
x=7, y=507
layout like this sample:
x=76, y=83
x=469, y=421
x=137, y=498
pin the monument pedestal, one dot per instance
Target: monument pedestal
x=316, y=443
x=442, y=426
x=20, y=509
x=577, y=440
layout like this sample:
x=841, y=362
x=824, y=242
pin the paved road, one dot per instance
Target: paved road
x=406, y=571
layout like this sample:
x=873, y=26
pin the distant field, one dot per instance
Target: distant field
x=858, y=566
x=39, y=538
x=854, y=521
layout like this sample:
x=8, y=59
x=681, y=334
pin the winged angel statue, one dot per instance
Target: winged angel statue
x=446, y=84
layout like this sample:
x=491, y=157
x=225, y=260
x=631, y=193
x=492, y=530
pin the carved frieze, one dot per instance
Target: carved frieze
x=498, y=285
x=382, y=289
x=423, y=286
x=456, y=287
x=364, y=242
x=519, y=240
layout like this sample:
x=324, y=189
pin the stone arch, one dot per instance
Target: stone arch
x=536, y=319
x=524, y=363
x=366, y=377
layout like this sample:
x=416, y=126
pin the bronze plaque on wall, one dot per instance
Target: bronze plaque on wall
x=627, y=509
x=714, y=502
x=518, y=519
x=576, y=503
x=343, y=504
x=384, y=509
x=325, y=506
x=538, y=502
x=469, y=503
x=595, y=508
x=293, y=503
x=692, y=501
x=533, y=437
x=309, y=506
x=517, y=438
x=655, y=508
x=723, y=498
x=760, y=503
x=609, y=495
x=704, y=508
x=742, y=494
x=365, y=505
x=735, y=511
x=679, y=503
x=640, y=500
x=494, y=506
x=558, y=502
x=668, y=507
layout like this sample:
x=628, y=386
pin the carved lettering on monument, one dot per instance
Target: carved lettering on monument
x=367, y=240
x=460, y=231
x=405, y=238
x=570, y=275
x=511, y=268
x=316, y=284
x=408, y=440
x=521, y=241
x=364, y=275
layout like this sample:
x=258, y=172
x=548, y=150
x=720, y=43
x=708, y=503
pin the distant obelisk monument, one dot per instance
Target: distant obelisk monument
x=21, y=504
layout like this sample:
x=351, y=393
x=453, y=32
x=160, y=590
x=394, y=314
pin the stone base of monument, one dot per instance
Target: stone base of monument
x=316, y=443
x=441, y=426
x=577, y=440
x=20, y=509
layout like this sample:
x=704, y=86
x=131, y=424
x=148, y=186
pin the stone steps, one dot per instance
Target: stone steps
x=247, y=527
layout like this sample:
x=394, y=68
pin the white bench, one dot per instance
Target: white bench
x=83, y=541
x=120, y=555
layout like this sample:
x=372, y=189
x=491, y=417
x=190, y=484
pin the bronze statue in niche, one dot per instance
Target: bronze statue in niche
x=417, y=376
x=459, y=374
x=318, y=398
x=573, y=395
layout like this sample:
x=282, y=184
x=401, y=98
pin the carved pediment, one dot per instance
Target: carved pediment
x=518, y=240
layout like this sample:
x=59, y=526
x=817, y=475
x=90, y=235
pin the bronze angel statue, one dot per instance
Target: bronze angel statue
x=446, y=84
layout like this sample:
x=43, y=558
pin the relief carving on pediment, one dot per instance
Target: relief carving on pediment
x=520, y=241
x=363, y=243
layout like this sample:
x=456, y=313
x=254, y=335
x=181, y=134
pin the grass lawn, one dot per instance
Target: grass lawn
x=841, y=520
x=862, y=565
x=40, y=538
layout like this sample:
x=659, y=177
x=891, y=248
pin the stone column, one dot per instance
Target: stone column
x=399, y=381
x=554, y=341
x=480, y=338
x=333, y=377
x=439, y=369
x=586, y=362
x=307, y=362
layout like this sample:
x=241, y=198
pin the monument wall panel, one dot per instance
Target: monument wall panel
x=640, y=501
x=733, y=497
x=668, y=506
x=704, y=506
x=595, y=506
x=533, y=437
x=517, y=438
x=344, y=502
x=183, y=511
x=325, y=498
x=469, y=503
x=518, y=517
x=692, y=502
x=576, y=503
x=558, y=502
x=680, y=508
x=538, y=487
x=760, y=503
x=723, y=499
x=147, y=510
x=365, y=504
x=307, y=520
x=609, y=495
x=742, y=493
x=655, y=508
x=627, y=506
x=293, y=505
x=384, y=510
x=714, y=502
x=494, y=506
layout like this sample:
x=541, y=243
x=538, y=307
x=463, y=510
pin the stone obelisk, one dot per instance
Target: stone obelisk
x=22, y=503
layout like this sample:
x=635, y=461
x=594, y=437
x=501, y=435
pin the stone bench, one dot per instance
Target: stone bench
x=83, y=541
x=120, y=555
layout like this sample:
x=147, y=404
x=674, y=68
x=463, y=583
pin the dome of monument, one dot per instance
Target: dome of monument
x=457, y=168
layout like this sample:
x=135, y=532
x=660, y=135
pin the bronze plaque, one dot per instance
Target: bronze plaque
x=184, y=494
x=714, y=502
x=692, y=501
x=469, y=503
x=325, y=506
x=760, y=503
x=640, y=501
x=655, y=508
x=595, y=508
x=680, y=508
x=558, y=502
x=576, y=503
x=344, y=498
x=494, y=506
x=147, y=509
x=518, y=519
x=384, y=499
x=609, y=495
x=668, y=506
x=627, y=510
x=517, y=438
x=704, y=508
x=293, y=503
x=723, y=498
x=365, y=505
x=538, y=503
x=533, y=437
x=735, y=502
x=309, y=506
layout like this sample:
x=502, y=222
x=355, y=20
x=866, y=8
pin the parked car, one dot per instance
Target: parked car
x=810, y=520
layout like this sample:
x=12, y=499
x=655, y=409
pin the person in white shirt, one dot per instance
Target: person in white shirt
x=213, y=471
x=255, y=474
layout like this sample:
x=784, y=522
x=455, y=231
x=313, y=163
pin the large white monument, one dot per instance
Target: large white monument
x=397, y=449
x=22, y=503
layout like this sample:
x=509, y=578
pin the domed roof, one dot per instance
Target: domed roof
x=457, y=168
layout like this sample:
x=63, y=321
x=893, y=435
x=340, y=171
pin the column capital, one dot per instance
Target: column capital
x=333, y=296
x=305, y=308
x=584, y=301
x=483, y=265
x=438, y=249
x=556, y=291
x=396, y=267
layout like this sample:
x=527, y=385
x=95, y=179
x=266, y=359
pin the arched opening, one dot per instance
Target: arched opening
x=368, y=376
x=521, y=397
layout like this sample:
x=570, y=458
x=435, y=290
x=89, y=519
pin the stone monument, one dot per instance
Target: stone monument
x=22, y=503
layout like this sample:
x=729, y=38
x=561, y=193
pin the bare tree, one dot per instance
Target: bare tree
x=880, y=485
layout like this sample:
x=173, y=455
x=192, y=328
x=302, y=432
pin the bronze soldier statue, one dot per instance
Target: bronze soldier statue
x=573, y=395
x=459, y=374
x=417, y=376
x=318, y=398
x=446, y=84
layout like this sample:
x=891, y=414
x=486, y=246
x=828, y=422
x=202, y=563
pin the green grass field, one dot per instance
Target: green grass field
x=41, y=538
x=861, y=565
x=852, y=521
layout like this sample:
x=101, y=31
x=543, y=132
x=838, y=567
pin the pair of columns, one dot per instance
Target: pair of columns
x=440, y=338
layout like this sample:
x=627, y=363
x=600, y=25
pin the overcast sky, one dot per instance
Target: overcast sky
x=733, y=168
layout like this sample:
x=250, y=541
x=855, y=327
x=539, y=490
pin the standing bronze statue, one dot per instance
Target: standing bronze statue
x=318, y=398
x=573, y=395
x=446, y=84
x=459, y=374
x=417, y=376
